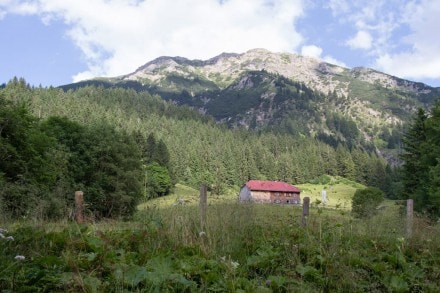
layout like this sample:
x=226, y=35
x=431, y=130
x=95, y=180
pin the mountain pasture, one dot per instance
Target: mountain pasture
x=243, y=247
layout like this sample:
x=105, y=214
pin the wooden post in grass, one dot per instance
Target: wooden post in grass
x=409, y=217
x=306, y=204
x=79, y=207
x=203, y=206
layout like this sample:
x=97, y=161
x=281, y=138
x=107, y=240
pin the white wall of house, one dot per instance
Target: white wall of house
x=245, y=194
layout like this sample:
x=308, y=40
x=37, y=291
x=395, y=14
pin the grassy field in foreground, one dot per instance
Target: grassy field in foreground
x=240, y=248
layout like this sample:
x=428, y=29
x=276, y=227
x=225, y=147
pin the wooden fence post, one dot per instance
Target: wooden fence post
x=305, y=214
x=409, y=217
x=79, y=207
x=203, y=206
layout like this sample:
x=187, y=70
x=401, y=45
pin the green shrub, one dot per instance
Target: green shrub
x=365, y=202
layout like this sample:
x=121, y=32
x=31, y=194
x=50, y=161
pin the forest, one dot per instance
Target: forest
x=121, y=147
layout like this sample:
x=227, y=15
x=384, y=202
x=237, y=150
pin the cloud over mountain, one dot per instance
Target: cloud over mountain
x=116, y=36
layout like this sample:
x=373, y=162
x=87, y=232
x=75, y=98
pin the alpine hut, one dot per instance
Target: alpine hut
x=261, y=191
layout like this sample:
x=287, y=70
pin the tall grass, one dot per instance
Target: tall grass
x=242, y=247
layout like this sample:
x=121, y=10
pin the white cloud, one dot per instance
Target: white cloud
x=338, y=7
x=332, y=60
x=411, y=65
x=374, y=22
x=398, y=35
x=312, y=51
x=362, y=40
x=316, y=52
x=117, y=36
x=422, y=59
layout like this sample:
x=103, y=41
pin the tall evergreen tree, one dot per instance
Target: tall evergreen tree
x=346, y=166
x=161, y=154
x=150, y=148
x=415, y=170
x=433, y=159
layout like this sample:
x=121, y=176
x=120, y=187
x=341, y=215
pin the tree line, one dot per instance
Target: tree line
x=122, y=146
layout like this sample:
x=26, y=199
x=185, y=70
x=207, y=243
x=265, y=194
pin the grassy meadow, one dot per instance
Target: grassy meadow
x=242, y=248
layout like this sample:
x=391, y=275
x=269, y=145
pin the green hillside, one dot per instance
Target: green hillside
x=198, y=150
x=287, y=93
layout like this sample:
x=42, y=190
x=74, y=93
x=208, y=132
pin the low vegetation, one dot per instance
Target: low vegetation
x=243, y=247
x=366, y=201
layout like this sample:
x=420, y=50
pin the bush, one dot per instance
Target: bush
x=365, y=202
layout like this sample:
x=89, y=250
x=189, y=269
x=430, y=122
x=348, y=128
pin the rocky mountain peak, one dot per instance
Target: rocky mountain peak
x=226, y=67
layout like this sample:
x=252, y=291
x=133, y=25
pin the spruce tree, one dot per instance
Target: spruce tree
x=433, y=159
x=414, y=170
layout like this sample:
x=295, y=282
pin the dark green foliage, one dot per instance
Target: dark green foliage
x=433, y=205
x=103, y=162
x=393, y=137
x=113, y=177
x=346, y=166
x=28, y=171
x=192, y=148
x=239, y=97
x=156, y=151
x=420, y=174
x=365, y=202
x=415, y=171
x=150, y=149
x=343, y=126
x=19, y=141
x=158, y=181
x=72, y=138
x=433, y=162
x=44, y=162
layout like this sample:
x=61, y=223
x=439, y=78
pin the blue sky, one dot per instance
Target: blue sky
x=53, y=42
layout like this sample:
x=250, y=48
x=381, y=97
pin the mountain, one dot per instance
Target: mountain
x=285, y=92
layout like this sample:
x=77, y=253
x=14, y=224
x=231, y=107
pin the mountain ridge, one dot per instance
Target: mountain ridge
x=286, y=92
x=282, y=66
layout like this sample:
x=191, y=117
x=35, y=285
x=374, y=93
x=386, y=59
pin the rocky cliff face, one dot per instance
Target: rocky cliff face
x=318, y=75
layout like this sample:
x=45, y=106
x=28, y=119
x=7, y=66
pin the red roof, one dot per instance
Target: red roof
x=271, y=186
